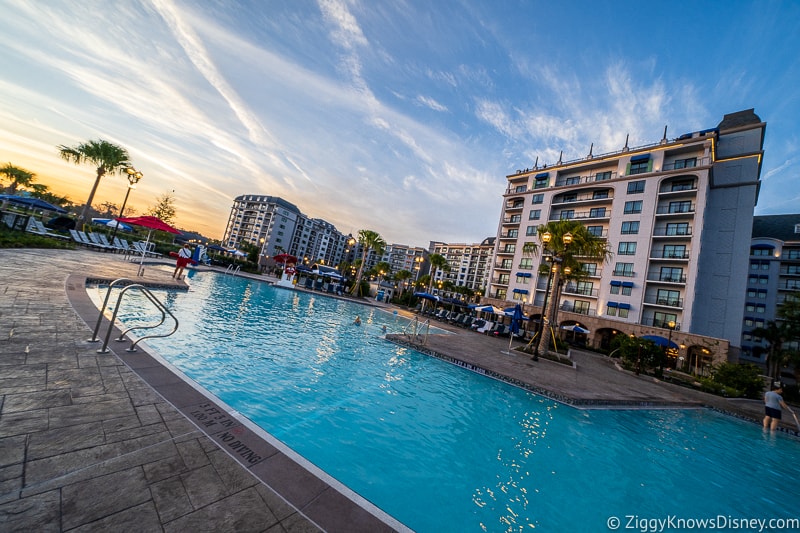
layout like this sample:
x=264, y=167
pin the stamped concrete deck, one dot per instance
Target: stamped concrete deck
x=116, y=442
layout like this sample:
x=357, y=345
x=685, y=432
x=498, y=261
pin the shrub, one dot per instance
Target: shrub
x=745, y=378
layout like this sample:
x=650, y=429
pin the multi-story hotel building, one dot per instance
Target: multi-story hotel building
x=774, y=275
x=469, y=263
x=275, y=225
x=677, y=216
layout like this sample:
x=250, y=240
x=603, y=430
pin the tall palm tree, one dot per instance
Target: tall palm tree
x=109, y=159
x=438, y=262
x=774, y=334
x=582, y=246
x=402, y=276
x=18, y=177
x=369, y=240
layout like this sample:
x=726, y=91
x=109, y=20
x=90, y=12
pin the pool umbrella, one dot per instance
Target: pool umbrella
x=31, y=203
x=285, y=259
x=151, y=223
x=426, y=296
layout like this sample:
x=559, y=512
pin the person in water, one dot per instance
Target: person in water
x=773, y=407
x=357, y=321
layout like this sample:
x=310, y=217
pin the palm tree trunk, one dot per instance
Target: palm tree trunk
x=88, y=205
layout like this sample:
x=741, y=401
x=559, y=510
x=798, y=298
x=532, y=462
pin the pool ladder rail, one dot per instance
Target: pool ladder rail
x=131, y=285
x=417, y=328
x=233, y=271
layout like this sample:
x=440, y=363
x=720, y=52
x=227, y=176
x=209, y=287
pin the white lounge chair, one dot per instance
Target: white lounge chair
x=35, y=226
x=486, y=327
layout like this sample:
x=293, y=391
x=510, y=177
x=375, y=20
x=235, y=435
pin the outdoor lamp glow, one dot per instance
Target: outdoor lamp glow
x=547, y=237
x=567, y=238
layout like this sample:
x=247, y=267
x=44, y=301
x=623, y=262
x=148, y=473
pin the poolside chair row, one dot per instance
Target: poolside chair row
x=99, y=241
x=36, y=227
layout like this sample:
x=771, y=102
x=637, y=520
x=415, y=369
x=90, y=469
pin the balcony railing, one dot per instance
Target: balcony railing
x=573, y=307
x=667, y=254
x=582, y=291
x=577, y=180
x=659, y=323
x=672, y=232
x=624, y=273
x=665, y=301
x=674, y=210
x=605, y=213
x=666, y=278
x=581, y=198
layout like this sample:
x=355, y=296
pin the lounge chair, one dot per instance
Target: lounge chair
x=83, y=240
x=93, y=240
x=486, y=327
x=501, y=331
x=479, y=323
x=467, y=321
x=123, y=245
x=455, y=318
x=35, y=226
x=104, y=242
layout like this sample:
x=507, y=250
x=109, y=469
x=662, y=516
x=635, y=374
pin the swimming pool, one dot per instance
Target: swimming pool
x=444, y=449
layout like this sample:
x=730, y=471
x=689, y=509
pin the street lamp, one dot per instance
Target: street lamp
x=671, y=325
x=553, y=280
x=133, y=178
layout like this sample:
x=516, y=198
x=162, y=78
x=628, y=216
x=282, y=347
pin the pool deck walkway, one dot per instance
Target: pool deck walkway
x=117, y=442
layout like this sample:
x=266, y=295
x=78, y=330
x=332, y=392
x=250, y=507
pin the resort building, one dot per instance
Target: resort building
x=469, y=263
x=677, y=215
x=275, y=226
x=773, y=276
x=404, y=257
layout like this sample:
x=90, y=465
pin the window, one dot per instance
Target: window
x=682, y=185
x=671, y=274
x=535, y=214
x=537, y=198
x=678, y=228
x=566, y=198
x=505, y=263
x=615, y=287
x=597, y=231
x=541, y=183
x=526, y=263
x=584, y=287
x=589, y=268
x=520, y=188
x=602, y=176
x=597, y=212
x=626, y=248
x=760, y=251
x=630, y=228
x=639, y=167
x=517, y=296
x=581, y=307
x=573, y=180
x=510, y=248
x=674, y=251
x=500, y=294
x=623, y=312
x=600, y=195
x=668, y=297
x=567, y=214
x=627, y=289
x=686, y=163
x=633, y=207
x=793, y=254
x=503, y=279
x=662, y=320
x=512, y=233
x=530, y=231
x=515, y=218
x=636, y=187
x=790, y=269
x=623, y=269
x=611, y=310
x=522, y=280
x=680, y=207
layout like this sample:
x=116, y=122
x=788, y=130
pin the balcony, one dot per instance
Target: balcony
x=510, y=235
x=602, y=214
x=669, y=254
x=579, y=308
x=512, y=219
x=659, y=323
x=571, y=288
x=673, y=232
x=514, y=206
x=665, y=278
x=571, y=199
x=664, y=301
x=675, y=209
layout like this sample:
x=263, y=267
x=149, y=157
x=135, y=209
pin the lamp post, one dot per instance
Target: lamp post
x=671, y=325
x=552, y=281
x=133, y=178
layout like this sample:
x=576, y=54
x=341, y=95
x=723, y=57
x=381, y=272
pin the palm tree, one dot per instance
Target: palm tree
x=438, y=262
x=18, y=176
x=570, y=243
x=402, y=276
x=369, y=240
x=775, y=334
x=108, y=158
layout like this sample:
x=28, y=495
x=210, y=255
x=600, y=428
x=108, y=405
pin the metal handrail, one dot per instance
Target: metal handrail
x=417, y=327
x=150, y=296
x=230, y=270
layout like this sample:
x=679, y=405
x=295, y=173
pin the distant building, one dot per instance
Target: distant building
x=677, y=215
x=773, y=276
x=275, y=226
x=469, y=263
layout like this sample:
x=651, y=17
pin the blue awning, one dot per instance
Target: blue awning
x=520, y=291
x=615, y=283
x=627, y=284
x=642, y=157
x=624, y=306
x=660, y=341
x=524, y=274
x=613, y=304
x=542, y=175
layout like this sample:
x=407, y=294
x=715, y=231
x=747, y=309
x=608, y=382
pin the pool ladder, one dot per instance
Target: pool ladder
x=233, y=271
x=150, y=296
x=417, y=328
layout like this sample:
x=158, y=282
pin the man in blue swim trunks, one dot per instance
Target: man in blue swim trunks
x=773, y=404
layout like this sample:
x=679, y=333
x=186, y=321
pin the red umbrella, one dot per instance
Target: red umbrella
x=149, y=222
x=152, y=223
x=285, y=258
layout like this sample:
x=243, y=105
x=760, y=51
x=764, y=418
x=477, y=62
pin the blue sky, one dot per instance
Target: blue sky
x=402, y=117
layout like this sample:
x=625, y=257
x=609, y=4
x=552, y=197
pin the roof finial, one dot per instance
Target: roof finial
x=625, y=149
x=591, y=148
x=536, y=164
x=664, y=139
x=560, y=156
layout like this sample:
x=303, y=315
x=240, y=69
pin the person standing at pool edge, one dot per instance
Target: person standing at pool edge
x=773, y=404
x=184, y=258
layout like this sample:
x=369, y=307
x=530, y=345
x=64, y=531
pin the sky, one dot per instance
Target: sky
x=402, y=117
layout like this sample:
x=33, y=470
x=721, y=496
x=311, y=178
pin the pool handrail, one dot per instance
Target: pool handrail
x=417, y=327
x=150, y=296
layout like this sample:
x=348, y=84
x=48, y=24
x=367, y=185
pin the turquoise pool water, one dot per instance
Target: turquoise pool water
x=444, y=449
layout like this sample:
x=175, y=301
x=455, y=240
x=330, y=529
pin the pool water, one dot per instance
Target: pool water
x=444, y=449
